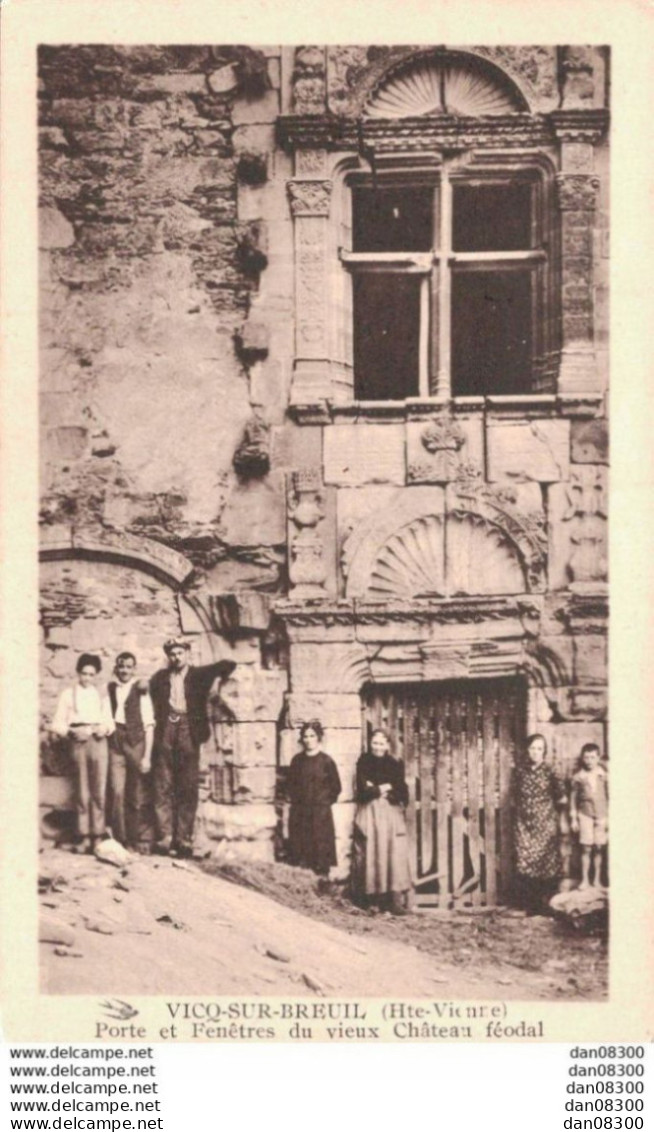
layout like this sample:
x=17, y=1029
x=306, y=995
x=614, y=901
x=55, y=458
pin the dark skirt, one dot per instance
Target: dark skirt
x=311, y=837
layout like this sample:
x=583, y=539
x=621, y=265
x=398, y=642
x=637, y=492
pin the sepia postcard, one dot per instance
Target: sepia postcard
x=325, y=710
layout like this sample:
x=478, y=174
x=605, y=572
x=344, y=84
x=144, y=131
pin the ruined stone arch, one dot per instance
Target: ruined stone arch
x=141, y=553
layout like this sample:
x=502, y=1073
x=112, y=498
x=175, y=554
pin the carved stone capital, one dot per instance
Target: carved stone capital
x=577, y=192
x=310, y=198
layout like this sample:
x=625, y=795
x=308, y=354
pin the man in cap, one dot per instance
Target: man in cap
x=179, y=697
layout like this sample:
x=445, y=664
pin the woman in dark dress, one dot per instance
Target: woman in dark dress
x=537, y=795
x=380, y=864
x=313, y=787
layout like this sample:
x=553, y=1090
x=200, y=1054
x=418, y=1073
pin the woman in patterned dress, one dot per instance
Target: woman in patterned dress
x=537, y=794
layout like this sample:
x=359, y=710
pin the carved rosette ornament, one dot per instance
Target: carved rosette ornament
x=306, y=512
x=577, y=192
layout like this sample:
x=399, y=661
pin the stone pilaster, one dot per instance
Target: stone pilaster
x=310, y=207
x=577, y=195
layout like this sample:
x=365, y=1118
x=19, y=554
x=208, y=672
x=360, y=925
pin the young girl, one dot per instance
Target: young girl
x=589, y=807
x=537, y=794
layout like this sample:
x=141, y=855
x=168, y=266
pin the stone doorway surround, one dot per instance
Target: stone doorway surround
x=337, y=648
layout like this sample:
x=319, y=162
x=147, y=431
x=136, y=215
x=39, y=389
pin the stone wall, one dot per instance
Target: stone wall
x=158, y=225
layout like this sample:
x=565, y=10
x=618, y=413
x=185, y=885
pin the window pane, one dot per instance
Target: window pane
x=393, y=219
x=386, y=336
x=491, y=218
x=491, y=332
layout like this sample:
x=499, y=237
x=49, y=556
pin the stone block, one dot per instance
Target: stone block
x=590, y=660
x=256, y=111
x=59, y=636
x=289, y=745
x=331, y=710
x=254, y=745
x=67, y=442
x=254, y=784
x=54, y=230
x=364, y=453
x=56, y=792
x=172, y=84
x=520, y=451
x=261, y=852
x=344, y=820
x=582, y=703
x=295, y=447
x=589, y=442
x=256, y=822
x=255, y=514
x=565, y=740
x=224, y=79
x=255, y=139
x=355, y=505
x=329, y=667
x=436, y=449
x=254, y=695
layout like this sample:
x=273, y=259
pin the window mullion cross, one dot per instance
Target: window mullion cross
x=444, y=290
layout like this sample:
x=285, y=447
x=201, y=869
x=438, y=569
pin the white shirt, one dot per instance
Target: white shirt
x=177, y=692
x=82, y=705
x=122, y=692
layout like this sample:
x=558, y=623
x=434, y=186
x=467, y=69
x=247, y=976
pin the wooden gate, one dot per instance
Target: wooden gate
x=458, y=740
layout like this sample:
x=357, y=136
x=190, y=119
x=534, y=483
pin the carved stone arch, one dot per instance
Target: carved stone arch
x=401, y=552
x=142, y=553
x=440, y=81
x=544, y=667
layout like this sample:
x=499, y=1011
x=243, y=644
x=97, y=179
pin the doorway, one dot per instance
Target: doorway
x=458, y=740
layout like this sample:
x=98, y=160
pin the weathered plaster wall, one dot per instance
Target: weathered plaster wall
x=154, y=252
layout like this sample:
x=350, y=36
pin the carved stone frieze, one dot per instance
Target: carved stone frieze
x=460, y=611
x=421, y=134
x=310, y=198
x=585, y=126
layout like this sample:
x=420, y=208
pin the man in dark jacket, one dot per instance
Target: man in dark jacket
x=179, y=697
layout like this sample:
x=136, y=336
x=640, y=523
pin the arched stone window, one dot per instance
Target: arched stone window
x=443, y=241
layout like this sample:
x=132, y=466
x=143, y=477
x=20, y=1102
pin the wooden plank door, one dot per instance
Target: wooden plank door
x=458, y=740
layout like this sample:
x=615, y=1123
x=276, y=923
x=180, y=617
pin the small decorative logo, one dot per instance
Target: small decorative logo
x=121, y=1011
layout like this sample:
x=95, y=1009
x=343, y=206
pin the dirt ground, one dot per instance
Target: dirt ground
x=164, y=927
